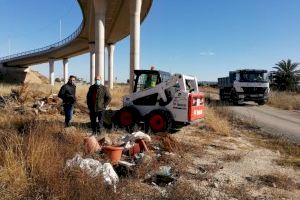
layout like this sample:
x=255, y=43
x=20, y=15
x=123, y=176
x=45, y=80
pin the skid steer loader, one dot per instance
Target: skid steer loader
x=161, y=101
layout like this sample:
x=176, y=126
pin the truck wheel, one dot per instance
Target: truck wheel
x=127, y=117
x=160, y=121
x=221, y=94
x=261, y=102
x=234, y=97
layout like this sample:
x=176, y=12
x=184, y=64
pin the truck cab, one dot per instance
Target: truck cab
x=245, y=85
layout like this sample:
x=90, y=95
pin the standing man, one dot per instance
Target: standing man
x=98, y=98
x=67, y=94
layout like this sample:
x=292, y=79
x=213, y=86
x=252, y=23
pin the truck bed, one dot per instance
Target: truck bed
x=224, y=82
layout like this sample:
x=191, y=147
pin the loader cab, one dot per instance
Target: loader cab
x=146, y=79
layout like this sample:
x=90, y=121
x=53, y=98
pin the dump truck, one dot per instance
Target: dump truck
x=161, y=101
x=245, y=85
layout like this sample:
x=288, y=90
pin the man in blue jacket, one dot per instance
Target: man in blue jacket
x=68, y=94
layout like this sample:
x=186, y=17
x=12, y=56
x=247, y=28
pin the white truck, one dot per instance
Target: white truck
x=245, y=85
x=161, y=101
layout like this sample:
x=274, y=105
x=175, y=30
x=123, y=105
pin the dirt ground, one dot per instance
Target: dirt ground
x=234, y=167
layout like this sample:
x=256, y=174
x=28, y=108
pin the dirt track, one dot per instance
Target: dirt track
x=271, y=120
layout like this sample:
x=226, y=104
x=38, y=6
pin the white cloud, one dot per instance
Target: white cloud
x=207, y=53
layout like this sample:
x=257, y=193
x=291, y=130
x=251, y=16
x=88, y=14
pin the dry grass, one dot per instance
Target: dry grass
x=289, y=161
x=5, y=89
x=277, y=180
x=290, y=153
x=13, y=175
x=117, y=95
x=238, y=192
x=183, y=190
x=209, y=90
x=231, y=157
x=285, y=100
x=32, y=164
x=216, y=122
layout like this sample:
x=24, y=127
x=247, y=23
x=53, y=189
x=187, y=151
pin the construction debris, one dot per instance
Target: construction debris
x=126, y=156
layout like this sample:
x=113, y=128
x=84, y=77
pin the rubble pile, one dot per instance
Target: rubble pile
x=25, y=100
x=126, y=156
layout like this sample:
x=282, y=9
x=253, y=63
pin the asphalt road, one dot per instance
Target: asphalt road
x=273, y=121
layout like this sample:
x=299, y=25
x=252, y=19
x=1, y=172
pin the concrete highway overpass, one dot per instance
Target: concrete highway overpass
x=105, y=22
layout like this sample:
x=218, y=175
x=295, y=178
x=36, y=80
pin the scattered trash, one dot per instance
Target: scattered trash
x=135, y=136
x=124, y=169
x=91, y=145
x=94, y=168
x=138, y=158
x=162, y=177
x=164, y=171
x=127, y=164
x=109, y=175
x=202, y=170
x=90, y=166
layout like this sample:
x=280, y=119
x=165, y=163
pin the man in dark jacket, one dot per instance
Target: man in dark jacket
x=67, y=94
x=98, y=98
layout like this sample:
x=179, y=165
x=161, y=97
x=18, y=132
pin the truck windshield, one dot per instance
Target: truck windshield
x=253, y=77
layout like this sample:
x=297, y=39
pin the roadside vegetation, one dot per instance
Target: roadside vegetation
x=287, y=76
x=285, y=100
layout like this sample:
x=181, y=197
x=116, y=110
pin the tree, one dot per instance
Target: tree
x=287, y=75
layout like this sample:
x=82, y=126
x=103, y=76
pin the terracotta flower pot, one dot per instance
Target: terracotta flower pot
x=134, y=150
x=91, y=145
x=114, y=153
x=139, y=146
x=143, y=145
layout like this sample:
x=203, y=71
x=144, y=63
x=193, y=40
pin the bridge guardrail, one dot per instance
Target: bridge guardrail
x=46, y=49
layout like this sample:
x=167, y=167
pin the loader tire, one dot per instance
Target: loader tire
x=127, y=117
x=160, y=121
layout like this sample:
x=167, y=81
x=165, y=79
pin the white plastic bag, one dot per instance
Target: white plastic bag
x=137, y=135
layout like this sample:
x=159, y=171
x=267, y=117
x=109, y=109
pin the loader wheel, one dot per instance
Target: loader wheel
x=127, y=117
x=160, y=121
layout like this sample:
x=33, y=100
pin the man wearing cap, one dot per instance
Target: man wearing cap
x=98, y=98
x=67, y=94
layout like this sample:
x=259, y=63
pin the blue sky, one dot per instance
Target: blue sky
x=205, y=38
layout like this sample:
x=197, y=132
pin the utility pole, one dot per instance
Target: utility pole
x=9, y=46
x=60, y=30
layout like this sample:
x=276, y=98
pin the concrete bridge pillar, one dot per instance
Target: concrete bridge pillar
x=135, y=12
x=111, y=48
x=100, y=11
x=92, y=63
x=51, y=72
x=66, y=69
